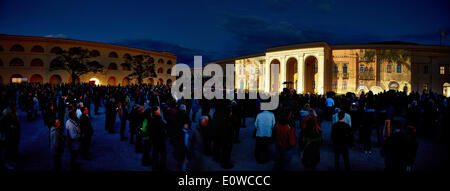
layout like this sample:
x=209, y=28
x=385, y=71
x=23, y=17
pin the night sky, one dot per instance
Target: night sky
x=221, y=29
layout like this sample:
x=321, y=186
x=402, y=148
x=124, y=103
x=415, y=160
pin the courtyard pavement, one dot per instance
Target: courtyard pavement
x=110, y=154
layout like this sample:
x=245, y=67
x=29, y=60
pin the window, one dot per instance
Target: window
x=94, y=53
x=16, y=62
x=442, y=70
x=389, y=68
x=37, y=48
x=17, y=48
x=56, y=50
x=126, y=56
x=169, y=62
x=169, y=71
x=160, y=71
x=344, y=85
x=361, y=69
x=37, y=62
x=399, y=68
x=425, y=69
x=113, y=55
x=344, y=68
x=425, y=86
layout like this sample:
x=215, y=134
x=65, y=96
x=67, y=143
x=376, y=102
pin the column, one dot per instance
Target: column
x=321, y=73
x=282, y=76
x=300, y=73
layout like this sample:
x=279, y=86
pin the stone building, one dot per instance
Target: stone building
x=24, y=58
x=318, y=67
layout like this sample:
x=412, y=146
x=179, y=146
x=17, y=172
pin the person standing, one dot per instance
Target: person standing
x=225, y=135
x=284, y=139
x=123, y=115
x=341, y=138
x=158, y=136
x=146, y=137
x=310, y=140
x=111, y=112
x=57, y=143
x=86, y=132
x=395, y=150
x=74, y=136
x=264, y=124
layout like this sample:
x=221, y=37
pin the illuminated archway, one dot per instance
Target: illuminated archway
x=36, y=78
x=94, y=81
x=274, y=86
x=126, y=81
x=55, y=79
x=291, y=73
x=311, y=68
x=446, y=89
x=112, y=81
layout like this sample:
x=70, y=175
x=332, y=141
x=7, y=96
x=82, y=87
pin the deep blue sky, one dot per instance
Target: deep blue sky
x=220, y=29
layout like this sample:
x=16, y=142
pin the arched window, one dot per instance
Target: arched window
x=37, y=48
x=160, y=70
x=55, y=63
x=389, y=68
x=56, y=50
x=169, y=71
x=17, y=48
x=113, y=55
x=37, y=62
x=94, y=53
x=160, y=81
x=126, y=56
x=399, y=68
x=112, y=66
x=344, y=68
x=169, y=82
x=151, y=60
x=169, y=62
x=16, y=62
x=160, y=61
x=361, y=69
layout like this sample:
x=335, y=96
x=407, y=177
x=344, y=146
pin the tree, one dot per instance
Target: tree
x=76, y=61
x=143, y=66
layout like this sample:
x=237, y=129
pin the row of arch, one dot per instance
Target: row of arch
x=56, y=79
x=292, y=75
x=57, y=50
x=37, y=62
x=112, y=81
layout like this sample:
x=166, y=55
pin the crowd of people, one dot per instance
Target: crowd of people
x=155, y=119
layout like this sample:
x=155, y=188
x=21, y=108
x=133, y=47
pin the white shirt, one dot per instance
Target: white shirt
x=264, y=123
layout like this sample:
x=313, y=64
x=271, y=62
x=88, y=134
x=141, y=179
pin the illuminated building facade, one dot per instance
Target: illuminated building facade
x=24, y=58
x=319, y=67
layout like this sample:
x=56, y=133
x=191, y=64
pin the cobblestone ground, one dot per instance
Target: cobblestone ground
x=110, y=154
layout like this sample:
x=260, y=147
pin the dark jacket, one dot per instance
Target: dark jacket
x=86, y=126
x=395, y=152
x=341, y=134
